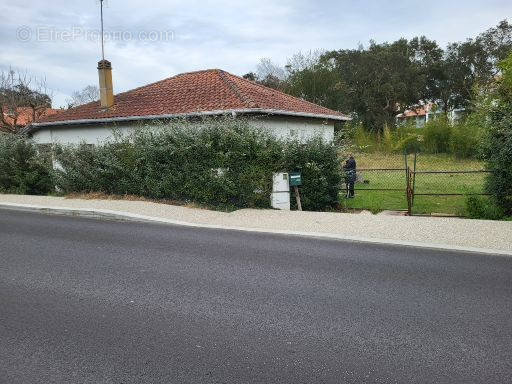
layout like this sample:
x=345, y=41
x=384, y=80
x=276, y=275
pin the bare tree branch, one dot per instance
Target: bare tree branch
x=21, y=94
x=87, y=95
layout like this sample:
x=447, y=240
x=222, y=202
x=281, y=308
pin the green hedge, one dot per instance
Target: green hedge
x=23, y=170
x=497, y=153
x=497, y=141
x=482, y=207
x=321, y=173
x=225, y=164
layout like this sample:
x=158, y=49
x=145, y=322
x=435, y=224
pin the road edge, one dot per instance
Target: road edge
x=128, y=216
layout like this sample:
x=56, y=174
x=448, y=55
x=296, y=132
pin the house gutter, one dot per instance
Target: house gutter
x=36, y=126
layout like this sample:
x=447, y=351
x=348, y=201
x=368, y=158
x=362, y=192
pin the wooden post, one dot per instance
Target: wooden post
x=297, y=197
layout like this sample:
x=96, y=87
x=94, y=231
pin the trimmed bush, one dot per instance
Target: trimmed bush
x=22, y=169
x=321, y=172
x=479, y=207
x=224, y=163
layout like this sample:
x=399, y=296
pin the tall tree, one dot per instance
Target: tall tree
x=19, y=92
x=313, y=79
x=250, y=76
x=87, y=95
x=269, y=74
x=469, y=64
x=497, y=43
x=378, y=82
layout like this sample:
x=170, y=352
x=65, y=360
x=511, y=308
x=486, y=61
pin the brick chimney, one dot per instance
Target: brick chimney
x=106, y=89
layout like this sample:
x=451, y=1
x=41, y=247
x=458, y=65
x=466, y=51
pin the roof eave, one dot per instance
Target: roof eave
x=35, y=126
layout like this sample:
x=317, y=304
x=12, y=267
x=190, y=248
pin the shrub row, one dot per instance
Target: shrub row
x=225, y=163
x=22, y=169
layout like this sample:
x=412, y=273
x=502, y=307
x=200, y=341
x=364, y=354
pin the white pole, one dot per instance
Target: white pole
x=102, y=43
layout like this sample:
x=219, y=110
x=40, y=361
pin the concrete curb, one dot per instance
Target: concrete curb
x=127, y=216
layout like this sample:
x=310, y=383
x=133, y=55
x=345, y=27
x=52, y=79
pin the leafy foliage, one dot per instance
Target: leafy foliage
x=377, y=82
x=466, y=136
x=321, y=172
x=25, y=96
x=478, y=207
x=497, y=147
x=436, y=134
x=225, y=163
x=22, y=169
x=410, y=144
x=461, y=139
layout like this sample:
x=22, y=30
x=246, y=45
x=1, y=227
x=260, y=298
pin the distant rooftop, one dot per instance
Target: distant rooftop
x=24, y=116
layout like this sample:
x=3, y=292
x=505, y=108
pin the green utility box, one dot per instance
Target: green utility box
x=295, y=179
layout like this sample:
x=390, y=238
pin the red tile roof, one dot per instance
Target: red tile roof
x=419, y=110
x=413, y=113
x=24, y=116
x=204, y=92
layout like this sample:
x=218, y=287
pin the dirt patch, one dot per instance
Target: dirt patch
x=105, y=196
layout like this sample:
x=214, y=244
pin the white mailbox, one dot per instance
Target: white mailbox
x=280, y=198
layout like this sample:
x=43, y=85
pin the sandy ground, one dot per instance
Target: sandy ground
x=450, y=231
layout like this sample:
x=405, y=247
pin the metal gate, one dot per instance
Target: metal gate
x=408, y=188
x=417, y=182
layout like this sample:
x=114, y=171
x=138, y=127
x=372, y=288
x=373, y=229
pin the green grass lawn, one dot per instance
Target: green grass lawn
x=376, y=201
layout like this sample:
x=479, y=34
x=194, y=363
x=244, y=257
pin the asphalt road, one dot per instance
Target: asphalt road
x=90, y=301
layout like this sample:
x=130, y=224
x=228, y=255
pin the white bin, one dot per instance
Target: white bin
x=280, y=198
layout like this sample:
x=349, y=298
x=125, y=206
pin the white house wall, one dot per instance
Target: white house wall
x=74, y=134
x=301, y=129
x=281, y=127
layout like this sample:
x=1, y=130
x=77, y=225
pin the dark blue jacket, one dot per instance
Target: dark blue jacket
x=350, y=169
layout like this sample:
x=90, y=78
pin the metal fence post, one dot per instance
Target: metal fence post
x=386, y=182
x=407, y=184
x=414, y=178
x=409, y=192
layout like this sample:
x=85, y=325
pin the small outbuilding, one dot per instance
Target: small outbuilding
x=189, y=95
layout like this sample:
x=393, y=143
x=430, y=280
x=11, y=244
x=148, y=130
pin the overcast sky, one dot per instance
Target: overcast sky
x=152, y=40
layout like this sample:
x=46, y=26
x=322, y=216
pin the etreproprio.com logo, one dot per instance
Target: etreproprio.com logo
x=25, y=33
